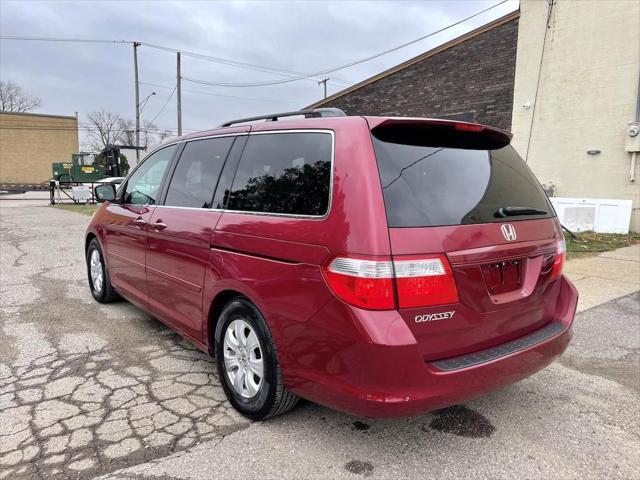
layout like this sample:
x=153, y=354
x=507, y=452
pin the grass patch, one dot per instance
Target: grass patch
x=591, y=243
x=89, y=209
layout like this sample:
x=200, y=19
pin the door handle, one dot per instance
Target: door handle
x=140, y=222
x=159, y=225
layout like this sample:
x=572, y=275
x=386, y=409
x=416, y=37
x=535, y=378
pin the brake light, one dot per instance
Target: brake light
x=558, y=261
x=363, y=283
x=369, y=284
x=422, y=282
x=468, y=127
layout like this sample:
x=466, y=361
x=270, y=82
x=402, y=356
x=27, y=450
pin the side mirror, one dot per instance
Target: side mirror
x=105, y=193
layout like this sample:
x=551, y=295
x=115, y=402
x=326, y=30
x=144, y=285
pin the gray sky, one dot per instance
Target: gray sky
x=303, y=36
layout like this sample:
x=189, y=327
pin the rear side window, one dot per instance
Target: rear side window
x=429, y=184
x=197, y=173
x=287, y=173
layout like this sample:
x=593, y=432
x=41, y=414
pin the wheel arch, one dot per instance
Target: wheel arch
x=215, y=309
x=90, y=236
x=97, y=235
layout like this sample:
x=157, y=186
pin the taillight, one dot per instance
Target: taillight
x=425, y=281
x=363, y=283
x=558, y=261
x=369, y=284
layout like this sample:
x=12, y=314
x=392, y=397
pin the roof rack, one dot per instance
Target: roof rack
x=314, y=113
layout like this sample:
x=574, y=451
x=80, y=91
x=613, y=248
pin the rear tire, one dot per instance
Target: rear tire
x=98, y=276
x=248, y=364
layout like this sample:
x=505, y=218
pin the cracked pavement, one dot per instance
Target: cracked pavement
x=90, y=390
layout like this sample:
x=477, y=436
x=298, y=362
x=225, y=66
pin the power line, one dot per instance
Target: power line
x=535, y=97
x=346, y=65
x=52, y=126
x=57, y=39
x=81, y=127
x=165, y=105
x=87, y=129
x=253, y=66
x=200, y=56
x=235, y=63
x=38, y=127
x=157, y=85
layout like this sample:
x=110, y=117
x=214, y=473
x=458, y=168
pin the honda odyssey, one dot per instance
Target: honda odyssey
x=378, y=266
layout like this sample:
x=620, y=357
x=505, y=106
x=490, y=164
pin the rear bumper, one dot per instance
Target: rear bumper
x=392, y=380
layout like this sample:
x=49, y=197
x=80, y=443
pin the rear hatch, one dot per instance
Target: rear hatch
x=459, y=197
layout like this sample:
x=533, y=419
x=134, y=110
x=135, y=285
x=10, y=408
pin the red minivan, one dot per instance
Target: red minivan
x=378, y=266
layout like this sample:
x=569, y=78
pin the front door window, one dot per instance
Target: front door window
x=143, y=187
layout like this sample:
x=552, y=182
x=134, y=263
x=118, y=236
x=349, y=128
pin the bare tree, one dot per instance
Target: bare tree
x=164, y=135
x=128, y=132
x=149, y=134
x=14, y=99
x=104, y=128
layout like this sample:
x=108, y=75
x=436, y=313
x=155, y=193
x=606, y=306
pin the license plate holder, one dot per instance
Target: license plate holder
x=502, y=277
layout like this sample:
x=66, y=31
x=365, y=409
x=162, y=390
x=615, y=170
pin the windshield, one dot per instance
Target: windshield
x=433, y=185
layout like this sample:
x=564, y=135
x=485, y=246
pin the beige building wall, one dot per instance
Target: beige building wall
x=30, y=143
x=587, y=94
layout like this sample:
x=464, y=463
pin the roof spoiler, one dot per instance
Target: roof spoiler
x=446, y=133
x=273, y=117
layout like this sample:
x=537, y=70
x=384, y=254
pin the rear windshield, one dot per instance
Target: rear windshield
x=434, y=185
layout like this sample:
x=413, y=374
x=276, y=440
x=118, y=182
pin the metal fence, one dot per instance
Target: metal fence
x=71, y=192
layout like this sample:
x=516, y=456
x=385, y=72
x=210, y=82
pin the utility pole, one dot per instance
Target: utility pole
x=135, y=70
x=324, y=82
x=179, y=92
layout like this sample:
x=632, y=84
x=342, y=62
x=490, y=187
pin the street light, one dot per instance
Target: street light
x=142, y=104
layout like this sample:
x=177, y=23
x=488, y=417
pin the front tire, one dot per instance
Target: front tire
x=98, y=277
x=248, y=364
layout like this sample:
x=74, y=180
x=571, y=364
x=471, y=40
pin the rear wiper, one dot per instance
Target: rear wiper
x=513, y=211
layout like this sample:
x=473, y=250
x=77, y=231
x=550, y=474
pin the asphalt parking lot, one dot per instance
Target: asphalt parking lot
x=90, y=390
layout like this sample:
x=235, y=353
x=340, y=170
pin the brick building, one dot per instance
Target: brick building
x=469, y=78
x=30, y=143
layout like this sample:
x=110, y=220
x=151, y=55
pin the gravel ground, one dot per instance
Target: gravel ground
x=89, y=390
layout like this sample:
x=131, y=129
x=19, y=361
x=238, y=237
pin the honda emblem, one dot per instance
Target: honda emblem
x=509, y=232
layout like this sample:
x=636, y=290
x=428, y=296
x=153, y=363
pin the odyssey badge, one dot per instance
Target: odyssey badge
x=432, y=317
